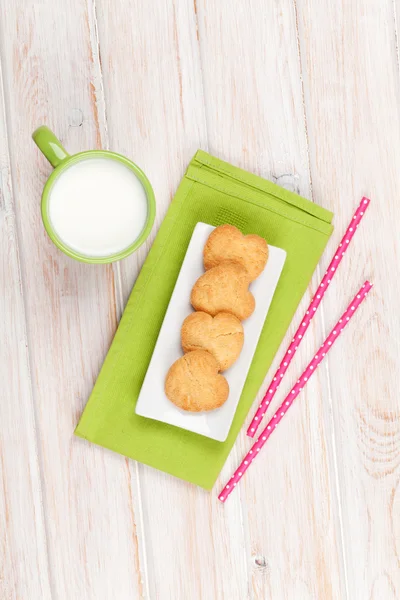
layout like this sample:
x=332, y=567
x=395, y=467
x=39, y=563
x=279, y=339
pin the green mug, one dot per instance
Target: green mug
x=53, y=150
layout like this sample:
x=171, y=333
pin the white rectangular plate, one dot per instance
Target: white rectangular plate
x=152, y=401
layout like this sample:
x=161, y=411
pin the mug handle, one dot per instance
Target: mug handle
x=49, y=145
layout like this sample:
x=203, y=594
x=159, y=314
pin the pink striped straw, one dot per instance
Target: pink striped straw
x=310, y=312
x=295, y=391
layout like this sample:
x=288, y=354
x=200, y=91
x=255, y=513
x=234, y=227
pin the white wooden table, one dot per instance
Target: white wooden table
x=303, y=92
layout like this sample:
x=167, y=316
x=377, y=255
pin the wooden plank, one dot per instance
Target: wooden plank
x=50, y=75
x=153, y=93
x=24, y=571
x=155, y=115
x=254, y=110
x=352, y=95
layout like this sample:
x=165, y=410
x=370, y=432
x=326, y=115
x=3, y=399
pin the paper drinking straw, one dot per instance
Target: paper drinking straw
x=294, y=392
x=310, y=312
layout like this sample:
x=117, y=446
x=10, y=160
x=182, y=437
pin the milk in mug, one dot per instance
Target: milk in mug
x=98, y=207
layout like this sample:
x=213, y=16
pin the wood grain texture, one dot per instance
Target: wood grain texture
x=24, y=569
x=352, y=95
x=49, y=77
x=304, y=93
x=154, y=98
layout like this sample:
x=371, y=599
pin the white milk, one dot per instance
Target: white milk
x=98, y=207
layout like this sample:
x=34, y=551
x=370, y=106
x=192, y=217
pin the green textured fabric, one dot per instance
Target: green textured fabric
x=214, y=192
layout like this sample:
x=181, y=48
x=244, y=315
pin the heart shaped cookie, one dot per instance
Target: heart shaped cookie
x=228, y=243
x=193, y=382
x=221, y=335
x=224, y=289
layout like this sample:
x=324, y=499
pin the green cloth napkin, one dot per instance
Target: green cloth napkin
x=214, y=192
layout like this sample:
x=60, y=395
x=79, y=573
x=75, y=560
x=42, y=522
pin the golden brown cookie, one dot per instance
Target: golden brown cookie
x=228, y=243
x=224, y=289
x=221, y=335
x=193, y=382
